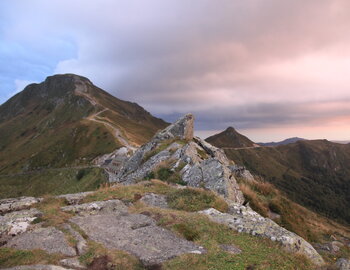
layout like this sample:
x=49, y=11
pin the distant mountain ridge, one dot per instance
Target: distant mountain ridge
x=230, y=138
x=284, y=142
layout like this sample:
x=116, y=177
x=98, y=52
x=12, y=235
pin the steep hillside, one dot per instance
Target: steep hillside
x=66, y=121
x=230, y=138
x=315, y=174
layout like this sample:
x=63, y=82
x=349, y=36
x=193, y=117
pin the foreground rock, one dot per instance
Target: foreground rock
x=137, y=234
x=194, y=161
x=38, y=267
x=343, y=264
x=17, y=222
x=99, y=207
x=243, y=219
x=49, y=239
x=75, y=198
x=16, y=204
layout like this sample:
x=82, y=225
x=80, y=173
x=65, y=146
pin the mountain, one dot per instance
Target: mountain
x=230, y=138
x=314, y=173
x=66, y=121
x=284, y=142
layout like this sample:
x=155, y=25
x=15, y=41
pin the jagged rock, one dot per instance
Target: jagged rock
x=182, y=129
x=202, y=165
x=93, y=208
x=242, y=173
x=231, y=249
x=49, y=239
x=16, y=204
x=137, y=234
x=75, y=198
x=243, y=219
x=37, y=267
x=156, y=200
x=17, y=222
x=81, y=245
x=72, y=263
x=343, y=264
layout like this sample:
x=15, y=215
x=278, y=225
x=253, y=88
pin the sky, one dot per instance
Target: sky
x=272, y=69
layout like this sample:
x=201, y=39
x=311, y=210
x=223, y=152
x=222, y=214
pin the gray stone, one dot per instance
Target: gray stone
x=37, y=267
x=16, y=204
x=93, y=208
x=17, y=222
x=243, y=219
x=182, y=129
x=81, y=245
x=204, y=165
x=343, y=264
x=49, y=239
x=136, y=234
x=231, y=249
x=75, y=198
x=156, y=200
x=72, y=263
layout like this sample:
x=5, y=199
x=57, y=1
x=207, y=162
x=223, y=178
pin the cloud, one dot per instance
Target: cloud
x=250, y=64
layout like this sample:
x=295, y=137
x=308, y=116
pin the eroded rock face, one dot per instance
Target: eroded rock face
x=16, y=204
x=99, y=207
x=155, y=200
x=243, y=219
x=75, y=198
x=198, y=163
x=49, y=239
x=17, y=222
x=137, y=234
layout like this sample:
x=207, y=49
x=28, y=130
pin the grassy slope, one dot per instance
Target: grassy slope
x=315, y=174
x=52, y=181
x=257, y=253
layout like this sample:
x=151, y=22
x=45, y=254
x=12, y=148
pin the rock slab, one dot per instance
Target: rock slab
x=137, y=234
x=48, y=239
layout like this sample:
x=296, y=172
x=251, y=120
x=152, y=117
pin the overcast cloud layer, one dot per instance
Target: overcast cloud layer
x=272, y=69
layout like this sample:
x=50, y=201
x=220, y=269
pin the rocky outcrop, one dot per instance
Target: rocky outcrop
x=343, y=264
x=197, y=163
x=49, y=239
x=243, y=219
x=155, y=200
x=16, y=204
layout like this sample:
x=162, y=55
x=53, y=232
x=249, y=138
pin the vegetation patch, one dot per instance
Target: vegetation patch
x=127, y=193
x=265, y=199
x=52, y=213
x=262, y=253
x=192, y=199
x=98, y=257
x=10, y=257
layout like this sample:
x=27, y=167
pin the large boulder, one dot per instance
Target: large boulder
x=16, y=204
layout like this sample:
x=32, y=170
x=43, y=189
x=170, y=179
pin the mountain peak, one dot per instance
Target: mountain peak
x=230, y=138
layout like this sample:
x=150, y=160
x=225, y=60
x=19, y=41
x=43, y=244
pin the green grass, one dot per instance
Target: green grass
x=191, y=200
x=258, y=252
x=119, y=259
x=10, y=257
x=52, y=182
